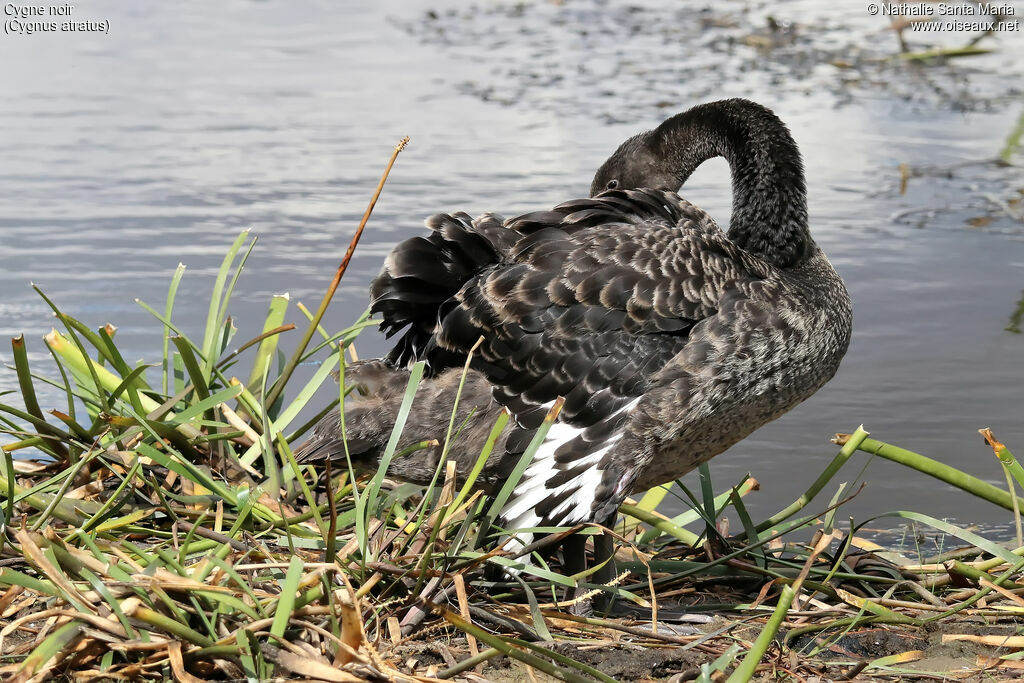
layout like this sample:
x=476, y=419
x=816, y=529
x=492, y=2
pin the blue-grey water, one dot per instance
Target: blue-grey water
x=125, y=152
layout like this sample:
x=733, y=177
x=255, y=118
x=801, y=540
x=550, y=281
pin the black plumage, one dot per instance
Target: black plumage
x=668, y=338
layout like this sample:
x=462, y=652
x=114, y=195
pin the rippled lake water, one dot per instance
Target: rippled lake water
x=125, y=153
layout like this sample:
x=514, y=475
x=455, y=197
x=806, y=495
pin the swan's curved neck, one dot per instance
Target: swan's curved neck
x=769, y=202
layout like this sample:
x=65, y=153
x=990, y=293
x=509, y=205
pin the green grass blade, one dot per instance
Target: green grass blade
x=344, y=338
x=532, y=570
x=200, y=380
x=286, y=603
x=524, y=460
x=12, y=577
x=280, y=424
x=940, y=471
x=105, y=381
x=373, y=488
x=40, y=424
x=478, y=466
x=103, y=349
x=208, y=403
x=658, y=525
x=172, y=292
x=65, y=383
x=745, y=671
x=171, y=626
x=1004, y=455
x=720, y=663
x=87, y=367
x=539, y=625
x=28, y=392
x=58, y=642
x=101, y=589
x=690, y=516
x=849, y=448
x=953, y=530
x=707, y=493
x=748, y=524
x=170, y=327
x=130, y=381
x=830, y=516
x=110, y=350
x=650, y=501
x=268, y=346
x=216, y=313
x=183, y=467
x=9, y=475
x=271, y=464
x=28, y=395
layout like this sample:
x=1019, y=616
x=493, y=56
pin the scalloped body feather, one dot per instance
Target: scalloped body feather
x=669, y=339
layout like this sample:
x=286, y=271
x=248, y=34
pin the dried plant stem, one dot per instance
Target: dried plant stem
x=289, y=367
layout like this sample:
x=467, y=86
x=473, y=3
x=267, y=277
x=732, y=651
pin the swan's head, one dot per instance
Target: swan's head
x=636, y=163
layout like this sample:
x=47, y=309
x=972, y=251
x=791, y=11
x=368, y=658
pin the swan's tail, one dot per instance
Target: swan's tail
x=422, y=273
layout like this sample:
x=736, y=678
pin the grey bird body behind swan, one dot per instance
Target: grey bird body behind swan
x=669, y=339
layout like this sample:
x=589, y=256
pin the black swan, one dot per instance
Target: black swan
x=669, y=339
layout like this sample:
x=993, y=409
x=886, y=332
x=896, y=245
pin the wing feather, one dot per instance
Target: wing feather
x=587, y=301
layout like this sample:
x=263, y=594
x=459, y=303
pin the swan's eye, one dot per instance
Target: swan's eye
x=612, y=184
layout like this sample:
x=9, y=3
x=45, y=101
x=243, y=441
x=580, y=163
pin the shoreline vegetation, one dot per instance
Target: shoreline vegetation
x=157, y=526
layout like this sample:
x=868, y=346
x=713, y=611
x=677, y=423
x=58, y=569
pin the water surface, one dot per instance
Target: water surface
x=126, y=153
